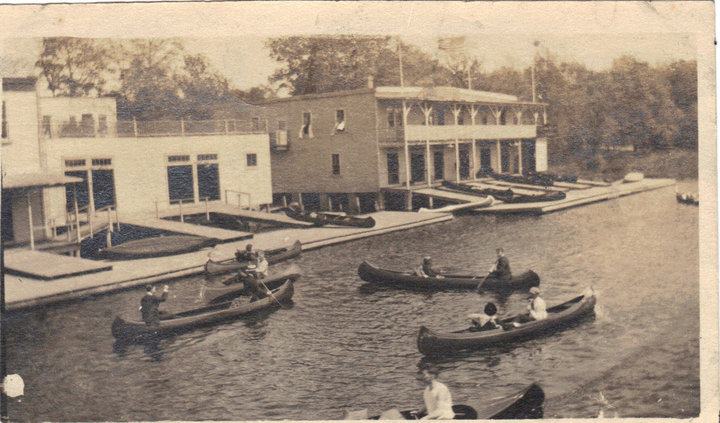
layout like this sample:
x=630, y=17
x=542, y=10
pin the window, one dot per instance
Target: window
x=461, y=119
x=178, y=158
x=206, y=157
x=102, y=162
x=252, y=159
x=306, y=130
x=335, y=164
x=102, y=125
x=208, y=176
x=87, y=125
x=180, y=184
x=393, y=168
x=47, y=126
x=391, y=118
x=339, y=120
x=75, y=163
x=4, y=129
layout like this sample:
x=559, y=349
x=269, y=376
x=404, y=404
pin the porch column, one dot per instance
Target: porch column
x=474, y=161
x=520, y=164
x=427, y=162
x=405, y=145
x=498, y=160
x=30, y=222
x=456, y=113
x=77, y=213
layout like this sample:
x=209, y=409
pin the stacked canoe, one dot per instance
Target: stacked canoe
x=322, y=219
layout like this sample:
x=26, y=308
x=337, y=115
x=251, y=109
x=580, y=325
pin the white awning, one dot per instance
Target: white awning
x=38, y=180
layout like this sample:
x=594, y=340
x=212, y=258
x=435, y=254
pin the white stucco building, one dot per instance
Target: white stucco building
x=59, y=150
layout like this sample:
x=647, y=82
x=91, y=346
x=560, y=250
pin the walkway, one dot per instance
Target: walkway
x=224, y=235
x=45, y=266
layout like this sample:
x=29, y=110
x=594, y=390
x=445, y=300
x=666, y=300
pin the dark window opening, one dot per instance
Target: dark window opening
x=87, y=125
x=102, y=125
x=4, y=129
x=393, y=168
x=103, y=188
x=208, y=181
x=251, y=159
x=180, y=184
x=339, y=120
x=439, y=165
x=79, y=189
x=417, y=167
x=47, y=126
x=307, y=122
x=336, y=164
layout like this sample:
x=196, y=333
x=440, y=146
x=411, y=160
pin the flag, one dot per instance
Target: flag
x=451, y=44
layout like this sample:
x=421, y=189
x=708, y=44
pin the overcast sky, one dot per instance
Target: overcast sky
x=499, y=34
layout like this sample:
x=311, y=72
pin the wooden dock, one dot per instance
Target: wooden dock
x=223, y=235
x=47, y=266
x=24, y=292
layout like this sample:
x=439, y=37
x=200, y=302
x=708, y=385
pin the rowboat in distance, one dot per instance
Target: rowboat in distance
x=129, y=329
x=232, y=287
x=525, y=404
x=559, y=317
x=322, y=219
x=688, y=198
x=409, y=280
x=273, y=257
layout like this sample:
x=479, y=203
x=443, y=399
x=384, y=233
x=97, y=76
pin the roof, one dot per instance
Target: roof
x=19, y=84
x=27, y=180
x=442, y=93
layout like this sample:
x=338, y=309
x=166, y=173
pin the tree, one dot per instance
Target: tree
x=682, y=77
x=202, y=89
x=76, y=66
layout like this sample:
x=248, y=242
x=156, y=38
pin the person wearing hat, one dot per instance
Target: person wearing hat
x=537, y=309
x=438, y=401
x=150, y=305
x=501, y=268
x=485, y=320
x=426, y=270
x=247, y=255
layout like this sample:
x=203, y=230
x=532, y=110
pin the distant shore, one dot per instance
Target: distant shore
x=678, y=164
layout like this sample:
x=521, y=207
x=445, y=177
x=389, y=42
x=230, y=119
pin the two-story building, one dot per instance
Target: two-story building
x=352, y=148
x=62, y=154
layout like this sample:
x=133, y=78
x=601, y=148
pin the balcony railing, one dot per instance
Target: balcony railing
x=421, y=133
x=155, y=128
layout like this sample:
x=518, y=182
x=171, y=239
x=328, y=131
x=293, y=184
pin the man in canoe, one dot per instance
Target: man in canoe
x=150, y=305
x=255, y=288
x=247, y=255
x=537, y=309
x=501, y=268
x=438, y=401
x=426, y=270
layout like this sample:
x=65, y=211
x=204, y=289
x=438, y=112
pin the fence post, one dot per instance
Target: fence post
x=90, y=222
x=284, y=201
x=226, y=127
x=108, y=239
x=182, y=218
x=135, y=131
x=68, y=225
x=110, y=225
x=117, y=219
x=182, y=127
x=157, y=210
x=207, y=210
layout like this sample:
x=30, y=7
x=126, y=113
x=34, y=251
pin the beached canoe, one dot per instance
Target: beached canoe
x=460, y=207
x=322, y=219
x=156, y=247
x=505, y=195
x=408, y=280
x=190, y=319
x=272, y=256
x=688, y=198
x=633, y=177
x=559, y=317
x=232, y=287
x=525, y=404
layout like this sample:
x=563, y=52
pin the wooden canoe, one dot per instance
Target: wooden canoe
x=460, y=207
x=190, y=319
x=232, y=287
x=408, y=280
x=525, y=404
x=506, y=195
x=159, y=246
x=322, y=219
x=685, y=198
x=559, y=317
x=273, y=257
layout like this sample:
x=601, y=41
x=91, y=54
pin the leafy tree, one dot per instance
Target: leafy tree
x=76, y=66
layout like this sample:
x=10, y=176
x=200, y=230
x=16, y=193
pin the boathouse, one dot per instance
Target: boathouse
x=69, y=159
x=361, y=150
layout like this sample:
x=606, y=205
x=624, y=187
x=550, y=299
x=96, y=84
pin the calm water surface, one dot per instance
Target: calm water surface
x=343, y=345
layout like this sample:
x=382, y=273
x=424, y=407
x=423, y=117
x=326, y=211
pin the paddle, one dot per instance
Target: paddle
x=479, y=285
x=271, y=294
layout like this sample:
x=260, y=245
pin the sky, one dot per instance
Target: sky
x=500, y=34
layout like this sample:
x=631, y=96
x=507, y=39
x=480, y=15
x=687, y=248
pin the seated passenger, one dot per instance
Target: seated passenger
x=247, y=255
x=485, y=320
x=537, y=309
x=426, y=270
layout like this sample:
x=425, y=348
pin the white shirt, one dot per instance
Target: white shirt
x=538, y=309
x=262, y=267
x=438, y=402
x=481, y=318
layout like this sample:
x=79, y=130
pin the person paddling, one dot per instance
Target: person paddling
x=426, y=270
x=485, y=320
x=501, y=268
x=537, y=309
x=247, y=255
x=150, y=305
x=438, y=401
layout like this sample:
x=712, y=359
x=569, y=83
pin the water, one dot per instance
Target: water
x=344, y=346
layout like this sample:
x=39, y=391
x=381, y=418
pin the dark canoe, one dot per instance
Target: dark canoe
x=156, y=247
x=370, y=273
x=499, y=194
x=687, y=199
x=530, y=179
x=559, y=317
x=186, y=320
x=526, y=404
x=322, y=219
x=273, y=257
x=536, y=198
x=232, y=287
x=573, y=179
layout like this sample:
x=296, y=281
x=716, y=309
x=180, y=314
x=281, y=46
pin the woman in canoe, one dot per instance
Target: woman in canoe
x=485, y=320
x=438, y=401
x=537, y=309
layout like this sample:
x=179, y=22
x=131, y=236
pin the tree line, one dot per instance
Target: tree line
x=632, y=103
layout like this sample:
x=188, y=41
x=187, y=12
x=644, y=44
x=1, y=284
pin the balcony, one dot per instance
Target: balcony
x=422, y=133
x=157, y=128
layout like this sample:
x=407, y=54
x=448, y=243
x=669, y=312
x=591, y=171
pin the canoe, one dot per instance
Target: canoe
x=232, y=287
x=687, y=198
x=559, y=317
x=407, y=280
x=540, y=179
x=322, y=219
x=525, y=404
x=506, y=195
x=190, y=319
x=573, y=179
x=633, y=177
x=460, y=207
x=156, y=247
x=273, y=257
